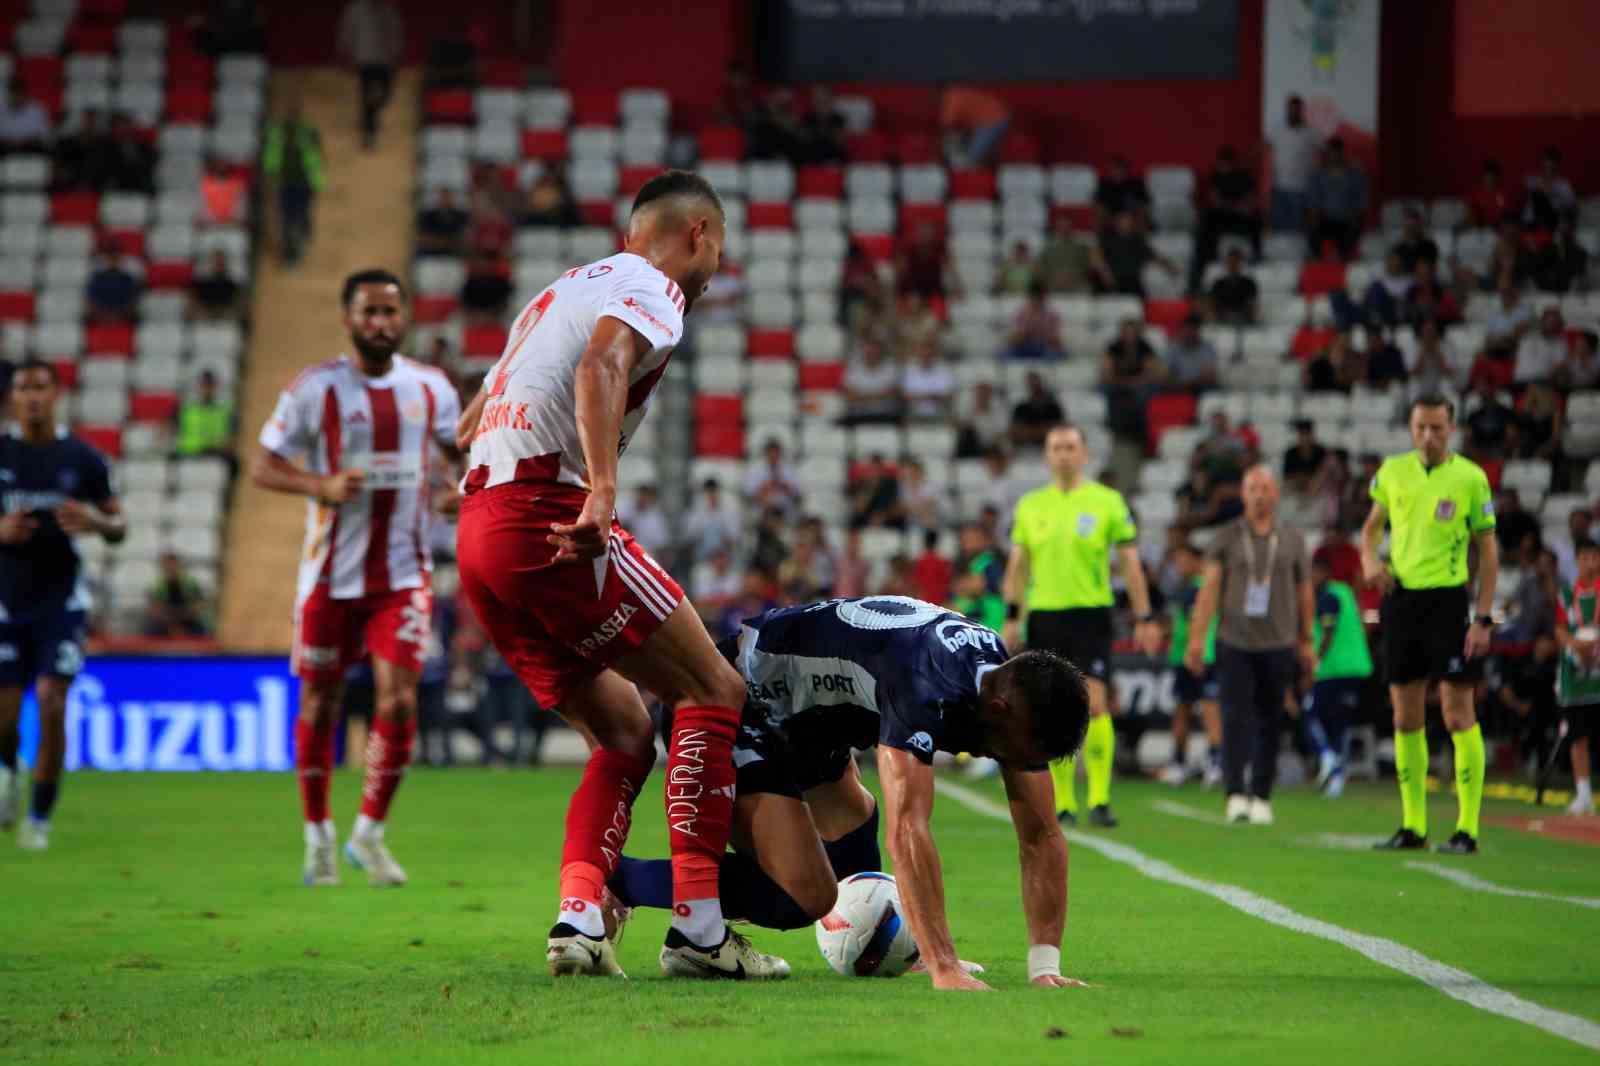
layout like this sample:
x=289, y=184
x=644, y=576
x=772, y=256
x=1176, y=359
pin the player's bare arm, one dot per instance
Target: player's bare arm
x=1373, y=572
x=1205, y=607
x=1146, y=630
x=1477, y=642
x=1042, y=851
x=104, y=520
x=467, y=424
x=1014, y=587
x=18, y=527
x=908, y=807
x=273, y=472
x=602, y=396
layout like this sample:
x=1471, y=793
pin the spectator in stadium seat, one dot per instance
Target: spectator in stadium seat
x=24, y=123
x=1540, y=352
x=800, y=576
x=980, y=567
x=1540, y=421
x=1562, y=265
x=771, y=484
x=1385, y=365
x=1511, y=261
x=1428, y=298
x=716, y=583
x=222, y=194
x=205, y=420
x=871, y=388
x=713, y=522
x=1227, y=450
x=129, y=164
x=1382, y=301
x=915, y=325
x=1121, y=192
x=822, y=131
x=1130, y=374
x=1017, y=272
x=1435, y=366
x=1333, y=369
x=1508, y=323
x=973, y=122
x=776, y=132
x=550, y=202
x=442, y=226
x=1582, y=367
x=76, y=155
x=922, y=264
x=860, y=286
x=1533, y=602
x=1338, y=554
x=1235, y=297
x=1580, y=524
x=723, y=298
x=175, y=607
x=921, y=501
x=486, y=290
x=1295, y=148
x=875, y=495
x=755, y=598
x=1415, y=245
x=771, y=546
x=931, y=571
x=981, y=420
x=1036, y=329
x=1066, y=262
x=1490, y=201
x=1489, y=423
x=927, y=385
x=1513, y=523
x=113, y=289
x=1191, y=359
x=292, y=159
x=853, y=571
x=1000, y=492
x=1303, y=458
x=1231, y=208
x=1547, y=197
x=1121, y=253
x=1036, y=414
x=1203, y=503
x=648, y=522
x=213, y=294
x=372, y=38
x=739, y=105
x=1336, y=201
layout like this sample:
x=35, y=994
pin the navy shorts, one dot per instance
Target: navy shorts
x=45, y=641
x=765, y=761
x=1338, y=696
x=1194, y=688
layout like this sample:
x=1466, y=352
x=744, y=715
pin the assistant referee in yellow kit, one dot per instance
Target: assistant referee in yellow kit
x=1062, y=537
x=1436, y=504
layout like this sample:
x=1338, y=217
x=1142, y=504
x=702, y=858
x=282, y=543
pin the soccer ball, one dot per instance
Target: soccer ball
x=865, y=935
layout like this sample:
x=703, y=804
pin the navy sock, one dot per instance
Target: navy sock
x=643, y=882
x=44, y=800
x=748, y=894
x=857, y=851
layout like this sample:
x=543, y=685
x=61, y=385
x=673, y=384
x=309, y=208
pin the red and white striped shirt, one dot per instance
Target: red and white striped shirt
x=336, y=418
x=529, y=427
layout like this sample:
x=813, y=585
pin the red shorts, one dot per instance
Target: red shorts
x=332, y=635
x=556, y=625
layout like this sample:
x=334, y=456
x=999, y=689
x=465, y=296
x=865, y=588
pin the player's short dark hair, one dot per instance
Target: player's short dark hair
x=1056, y=697
x=1586, y=544
x=1068, y=427
x=680, y=183
x=1434, y=399
x=35, y=363
x=370, y=276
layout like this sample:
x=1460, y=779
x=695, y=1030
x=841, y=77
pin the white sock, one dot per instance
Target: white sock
x=1584, y=795
x=583, y=915
x=367, y=828
x=314, y=832
x=700, y=920
x=330, y=832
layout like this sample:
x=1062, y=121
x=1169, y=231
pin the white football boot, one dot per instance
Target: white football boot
x=1260, y=812
x=321, y=867
x=368, y=852
x=735, y=959
x=570, y=953
x=1238, y=808
x=35, y=836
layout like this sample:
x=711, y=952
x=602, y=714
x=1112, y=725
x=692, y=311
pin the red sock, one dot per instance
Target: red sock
x=388, y=753
x=700, y=797
x=598, y=817
x=313, y=763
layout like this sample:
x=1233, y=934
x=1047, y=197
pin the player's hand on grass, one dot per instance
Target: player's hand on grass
x=1055, y=980
x=75, y=516
x=17, y=527
x=955, y=979
x=340, y=488
x=586, y=538
x=1147, y=636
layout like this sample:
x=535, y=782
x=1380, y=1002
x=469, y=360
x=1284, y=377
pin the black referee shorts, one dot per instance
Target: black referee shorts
x=1081, y=634
x=1424, y=633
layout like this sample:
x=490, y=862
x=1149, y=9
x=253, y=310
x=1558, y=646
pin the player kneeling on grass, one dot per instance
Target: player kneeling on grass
x=910, y=678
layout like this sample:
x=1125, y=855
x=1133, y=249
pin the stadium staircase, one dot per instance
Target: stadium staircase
x=363, y=218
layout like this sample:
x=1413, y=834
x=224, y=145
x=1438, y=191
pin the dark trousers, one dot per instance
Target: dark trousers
x=1253, y=685
x=1214, y=225
x=294, y=208
x=433, y=724
x=377, y=83
x=1343, y=235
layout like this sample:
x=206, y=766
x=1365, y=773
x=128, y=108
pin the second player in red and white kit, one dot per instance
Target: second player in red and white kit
x=578, y=609
x=364, y=428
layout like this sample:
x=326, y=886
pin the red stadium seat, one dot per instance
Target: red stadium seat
x=719, y=441
x=1165, y=411
x=153, y=406
x=485, y=340
x=188, y=70
x=1078, y=216
x=169, y=274
x=105, y=10
x=770, y=343
x=449, y=105
x=432, y=310
x=186, y=104
x=109, y=338
x=718, y=407
x=916, y=148
x=66, y=373
x=1168, y=314
x=1019, y=147
x=107, y=440
x=1494, y=470
x=594, y=107
x=502, y=73
x=75, y=208
x=914, y=215
x=40, y=73
x=90, y=37
x=544, y=144
x=632, y=179
x=1311, y=340
x=129, y=241
x=17, y=306
x=869, y=146
x=1321, y=276
x=598, y=212
x=879, y=247
x=822, y=183
x=972, y=185
x=769, y=216
x=821, y=377
x=722, y=143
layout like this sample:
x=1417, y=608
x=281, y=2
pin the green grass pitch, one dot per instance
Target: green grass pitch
x=168, y=924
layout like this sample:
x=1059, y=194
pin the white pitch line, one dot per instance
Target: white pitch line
x=1183, y=810
x=1457, y=984
x=1478, y=884
x=1341, y=841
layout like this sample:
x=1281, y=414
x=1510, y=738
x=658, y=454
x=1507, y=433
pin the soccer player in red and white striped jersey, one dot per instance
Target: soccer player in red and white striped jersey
x=364, y=426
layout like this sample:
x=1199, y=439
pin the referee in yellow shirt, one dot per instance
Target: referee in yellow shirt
x=1060, y=569
x=1436, y=504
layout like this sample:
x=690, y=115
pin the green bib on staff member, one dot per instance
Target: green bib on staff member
x=1433, y=516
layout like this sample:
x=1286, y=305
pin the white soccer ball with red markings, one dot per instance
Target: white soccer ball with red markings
x=866, y=935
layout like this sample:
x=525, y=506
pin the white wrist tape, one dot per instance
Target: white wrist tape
x=1044, y=961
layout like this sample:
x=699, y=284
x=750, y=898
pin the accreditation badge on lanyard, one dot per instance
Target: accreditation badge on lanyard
x=1258, y=590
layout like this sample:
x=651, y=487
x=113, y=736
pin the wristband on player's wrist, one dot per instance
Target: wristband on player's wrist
x=1483, y=620
x=1013, y=611
x=1148, y=616
x=1043, y=961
